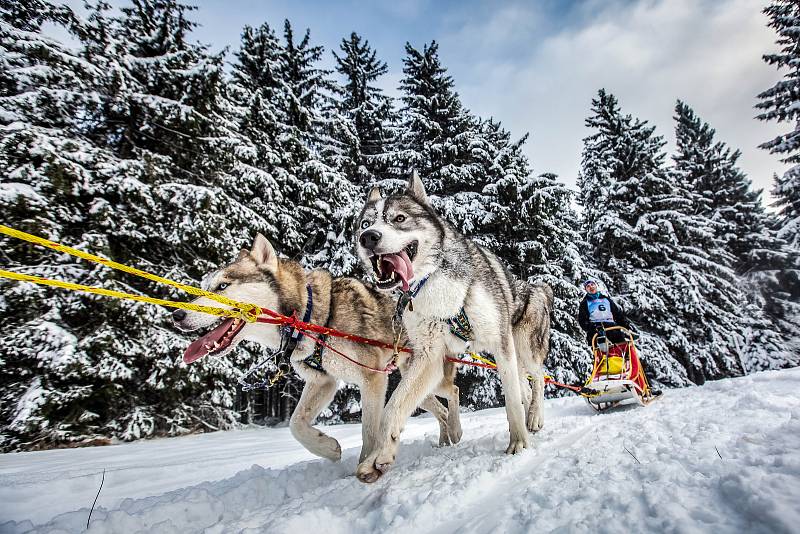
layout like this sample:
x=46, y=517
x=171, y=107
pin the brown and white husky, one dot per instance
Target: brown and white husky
x=260, y=277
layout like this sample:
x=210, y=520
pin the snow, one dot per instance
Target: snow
x=722, y=457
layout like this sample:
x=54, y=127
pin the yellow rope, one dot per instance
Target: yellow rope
x=244, y=310
x=481, y=359
x=222, y=312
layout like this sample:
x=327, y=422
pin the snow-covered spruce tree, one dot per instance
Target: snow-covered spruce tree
x=781, y=103
x=438, y=138
x=663, y=261
x=168, y=111
x=324, y=203
x=548, y=242
x=723, y=193
x=46, y=187
x=149, y=193
x=366, y=107
x=262, y=174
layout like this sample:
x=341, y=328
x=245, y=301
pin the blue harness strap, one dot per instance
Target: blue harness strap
x=406, y=300
x=314, y=360
x=291, y=336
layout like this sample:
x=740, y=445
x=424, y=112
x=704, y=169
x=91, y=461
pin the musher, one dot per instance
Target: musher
x=597, y=312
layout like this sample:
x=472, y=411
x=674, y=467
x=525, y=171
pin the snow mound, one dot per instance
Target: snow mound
x=722, y=457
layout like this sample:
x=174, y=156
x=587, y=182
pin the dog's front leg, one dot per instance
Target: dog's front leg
x=509, y=376
x=424, y=371
x=317, y=393
x=373, y=396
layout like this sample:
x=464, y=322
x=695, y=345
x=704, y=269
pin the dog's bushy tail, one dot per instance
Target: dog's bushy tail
x=547, y=291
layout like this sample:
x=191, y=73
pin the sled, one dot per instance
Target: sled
x=617, y=374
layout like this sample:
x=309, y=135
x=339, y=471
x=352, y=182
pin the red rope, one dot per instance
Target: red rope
x=386, y=370
x=294, y=322
x=304, y=328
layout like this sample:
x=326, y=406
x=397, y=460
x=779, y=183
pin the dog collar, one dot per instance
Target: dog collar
x=414, y=291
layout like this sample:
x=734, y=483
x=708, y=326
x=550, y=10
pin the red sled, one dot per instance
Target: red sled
x=617, y=374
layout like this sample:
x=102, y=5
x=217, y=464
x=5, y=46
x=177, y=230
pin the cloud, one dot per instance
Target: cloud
x=648, y=53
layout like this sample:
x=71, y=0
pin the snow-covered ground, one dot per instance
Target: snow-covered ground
x=724, y=457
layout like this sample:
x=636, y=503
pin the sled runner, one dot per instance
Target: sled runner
x=617, y=374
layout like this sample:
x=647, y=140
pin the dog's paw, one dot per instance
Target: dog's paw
x=368, y=476
x=444, y=437
x=535, y=422
x=517, y=445
x=371, y=469
x=454, y=432
x=384, y=461
x=330, y=449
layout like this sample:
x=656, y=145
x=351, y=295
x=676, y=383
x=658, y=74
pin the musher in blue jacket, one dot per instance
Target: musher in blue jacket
x=597, y=311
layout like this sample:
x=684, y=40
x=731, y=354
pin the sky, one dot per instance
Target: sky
x=536, y=65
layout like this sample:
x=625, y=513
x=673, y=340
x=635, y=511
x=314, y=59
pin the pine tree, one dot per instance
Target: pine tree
x=438, y=138
x=264, y=174
x=723, y=193
x=143, y=113
x=367, y=109
x=46, y=167
x=549, y=244
x=325, y=201
x=781, y=103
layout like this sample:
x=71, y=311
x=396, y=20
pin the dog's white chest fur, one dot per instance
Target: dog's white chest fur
x=441, y=299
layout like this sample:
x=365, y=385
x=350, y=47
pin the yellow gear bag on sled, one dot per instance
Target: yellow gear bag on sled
x=611, y=365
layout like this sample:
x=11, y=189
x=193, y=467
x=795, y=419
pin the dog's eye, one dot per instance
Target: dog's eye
x=365, y=224
x=400, y=218
x=222, y=286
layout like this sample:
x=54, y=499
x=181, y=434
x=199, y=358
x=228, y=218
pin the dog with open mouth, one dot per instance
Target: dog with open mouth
x=464, y=298
x=260, y=277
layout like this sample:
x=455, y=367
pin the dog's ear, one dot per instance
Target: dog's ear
x=416, y=188
x=242, y=254
x=263, y=253
x=374, y=194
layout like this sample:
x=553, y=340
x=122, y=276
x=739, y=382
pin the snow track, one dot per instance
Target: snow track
x=722, y=457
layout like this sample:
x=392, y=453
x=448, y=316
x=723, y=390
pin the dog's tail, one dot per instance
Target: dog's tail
x=547, y=291
x=527, y=294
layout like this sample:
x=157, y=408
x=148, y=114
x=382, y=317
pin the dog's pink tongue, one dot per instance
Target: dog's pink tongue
x=401, y=264
x=198, y=349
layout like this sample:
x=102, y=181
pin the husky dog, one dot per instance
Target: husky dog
x=259, y=277
x=463, y=298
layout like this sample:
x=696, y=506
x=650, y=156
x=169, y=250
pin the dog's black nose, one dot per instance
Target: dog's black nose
x=369, y=239
x=178, y=315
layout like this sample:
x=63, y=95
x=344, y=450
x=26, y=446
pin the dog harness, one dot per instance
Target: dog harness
x=459, y=323
x=314, y=360
x=291, y=336
x=461, y=327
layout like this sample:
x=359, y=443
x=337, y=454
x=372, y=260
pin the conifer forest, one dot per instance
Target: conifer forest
x=131, y=140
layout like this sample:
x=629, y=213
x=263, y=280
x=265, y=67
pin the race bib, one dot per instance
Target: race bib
x=600, y=311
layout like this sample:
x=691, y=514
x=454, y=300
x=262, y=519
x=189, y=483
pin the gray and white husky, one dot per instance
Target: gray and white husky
x=260, y=277
x=464, y=298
